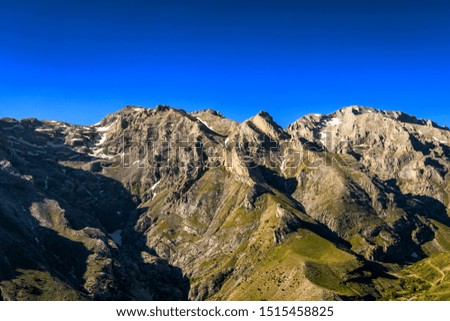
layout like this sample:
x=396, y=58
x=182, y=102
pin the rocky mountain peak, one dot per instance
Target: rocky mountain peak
x=265, y=115
x=356, y=110
x=264, y=124
x=157, y=203
x=376, y=114
x=208, y=111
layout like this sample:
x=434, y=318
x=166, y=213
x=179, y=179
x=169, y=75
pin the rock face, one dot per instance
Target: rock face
x=160, y=204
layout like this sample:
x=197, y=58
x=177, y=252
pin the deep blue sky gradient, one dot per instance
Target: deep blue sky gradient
x=79, y=60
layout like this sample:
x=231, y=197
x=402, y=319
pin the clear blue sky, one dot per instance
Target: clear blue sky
x=77, y=60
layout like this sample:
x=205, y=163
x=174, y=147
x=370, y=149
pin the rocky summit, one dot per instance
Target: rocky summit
x=161, y=204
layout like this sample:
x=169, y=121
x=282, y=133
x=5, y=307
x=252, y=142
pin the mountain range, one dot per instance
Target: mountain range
x=161, y=204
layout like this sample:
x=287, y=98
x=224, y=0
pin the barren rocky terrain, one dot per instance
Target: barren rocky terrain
x=161, y=204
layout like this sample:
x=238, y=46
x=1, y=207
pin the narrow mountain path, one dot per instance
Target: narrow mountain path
x=440, y=271
x=413, y=274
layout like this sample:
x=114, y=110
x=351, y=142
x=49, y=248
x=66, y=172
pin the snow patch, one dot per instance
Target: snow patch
x=154, y=186
x=98, y=152
x=323, y=137
x=439, y=140
x=102, y=140
x=206, y=124
x=76, y=140
x=104, y=128
x=116, y=236
x=333, y=122
x=283, y=165
x=102, y=131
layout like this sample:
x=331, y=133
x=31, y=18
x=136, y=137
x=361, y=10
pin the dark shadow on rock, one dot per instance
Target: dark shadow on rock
x=415, y=206
x=424, y=148
x=405, y=118
x=312, y=146
x=446, y=150
x=285, y=185
x=88, y=201
x=167, y=281
x=25, y=244
x=419, y=204
x=429, y=207
x=441, y=169
x=325, y=232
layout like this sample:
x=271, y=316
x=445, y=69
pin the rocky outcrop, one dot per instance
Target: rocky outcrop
x=157, y=203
